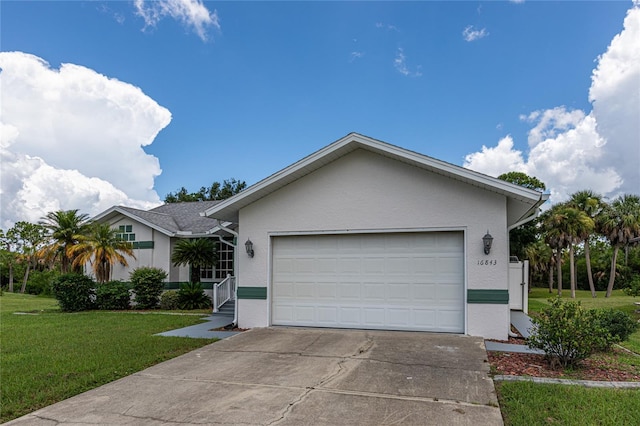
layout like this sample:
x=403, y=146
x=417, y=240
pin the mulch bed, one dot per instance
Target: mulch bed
x=601, y=367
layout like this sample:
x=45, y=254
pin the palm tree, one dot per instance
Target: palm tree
x=540, y=259
x=619, y=223
x=591, y=204
x=577, y=226
x=197, y=253
x=65, y=230
x=555, y=236
x=102, y=249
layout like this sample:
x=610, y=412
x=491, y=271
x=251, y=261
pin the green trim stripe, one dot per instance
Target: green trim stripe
x=259, y=293
x=494, y=297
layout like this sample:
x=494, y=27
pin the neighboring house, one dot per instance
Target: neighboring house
x=154, y=233
x=364, y=234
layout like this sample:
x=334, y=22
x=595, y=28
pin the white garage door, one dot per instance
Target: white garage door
x=399, y=281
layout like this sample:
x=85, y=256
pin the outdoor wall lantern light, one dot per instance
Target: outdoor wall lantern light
x=487, y=240
x=249, y=246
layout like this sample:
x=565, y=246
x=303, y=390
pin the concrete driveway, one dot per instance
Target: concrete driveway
x=295, y=376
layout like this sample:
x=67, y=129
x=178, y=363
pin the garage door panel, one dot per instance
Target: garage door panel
x=411, y=281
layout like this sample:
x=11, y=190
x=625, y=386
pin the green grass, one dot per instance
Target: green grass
x=538, y=299
x=47, y=356
x=524, y=403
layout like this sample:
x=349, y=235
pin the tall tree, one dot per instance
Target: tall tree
x=30, y=237
x=526, y=234
x=216, y=191
x=101, y=248
x=197, y=253
x=541, y=259
x=65, y=228
x=9, y=255
x=577, y=226
x=592, y=205
x=555, y=236
x=619, y=223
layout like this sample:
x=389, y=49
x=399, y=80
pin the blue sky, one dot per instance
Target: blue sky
x=207, y=91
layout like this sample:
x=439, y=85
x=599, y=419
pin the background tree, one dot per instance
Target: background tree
x=30, y=237
x=216, y=191
x=65, y=229
x=540, y=260
x=197, y=253
x=102, y=249
x=526, y=234
x=619, y=223
x=9, y=255
x=592, y=205
x=555, y=236
x=577, y=226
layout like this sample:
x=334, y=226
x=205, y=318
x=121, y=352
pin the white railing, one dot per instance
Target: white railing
x=224, y=291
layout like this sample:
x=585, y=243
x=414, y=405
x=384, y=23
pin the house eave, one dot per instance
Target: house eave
x=229, y=209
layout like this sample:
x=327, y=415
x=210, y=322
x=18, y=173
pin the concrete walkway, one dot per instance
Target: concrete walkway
x=205, y=330
x=296, y=376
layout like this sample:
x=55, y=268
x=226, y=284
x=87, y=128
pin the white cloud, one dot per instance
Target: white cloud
x=72, y=139
x=192, y=13
x=400, y=64
x=356, y=55
x=471, y=34
x=574, y=150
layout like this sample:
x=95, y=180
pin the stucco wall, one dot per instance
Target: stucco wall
x=158, y=257
x=363, y=191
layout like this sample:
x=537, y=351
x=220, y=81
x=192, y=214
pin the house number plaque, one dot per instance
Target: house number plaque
x=487, y=262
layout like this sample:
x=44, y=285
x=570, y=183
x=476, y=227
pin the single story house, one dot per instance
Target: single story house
x=154, y=233
x=364, y=234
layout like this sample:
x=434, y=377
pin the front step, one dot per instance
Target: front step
x=229, y=308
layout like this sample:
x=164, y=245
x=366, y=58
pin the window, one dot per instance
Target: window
x=125, y=233
x=225, y=261
x=206, y=273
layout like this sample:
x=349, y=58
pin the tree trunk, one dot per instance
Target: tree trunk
x=550, y=277
x=587, y=257
x=10, y=277
x=25, y=279
x=559, y=268
x=612, y=277
x=572, y=272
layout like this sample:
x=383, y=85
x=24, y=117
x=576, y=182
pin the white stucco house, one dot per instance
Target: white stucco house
x=154, y=233
x=364, y=234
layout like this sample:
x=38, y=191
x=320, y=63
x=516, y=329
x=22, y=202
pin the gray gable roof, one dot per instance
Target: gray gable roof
x=171, y=219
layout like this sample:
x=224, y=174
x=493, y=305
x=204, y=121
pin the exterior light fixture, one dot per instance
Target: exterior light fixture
x=249, y=246
x=487, y=240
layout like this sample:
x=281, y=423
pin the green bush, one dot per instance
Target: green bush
x=112, y=295
x=633, y=287
x=74, y=292
x=567, y=332
x=169, y=300
x=191, y=296
x=618, y=325
x=39, y=282
x=147, y=284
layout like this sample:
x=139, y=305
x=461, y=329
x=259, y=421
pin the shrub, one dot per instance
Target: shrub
x=74, y=292
x=169, y=300
x=618, y=324
x=567, y=332
x=633, y=287
x=112, y=295
x=40, y=282
x=147, y=284
x=191, y=296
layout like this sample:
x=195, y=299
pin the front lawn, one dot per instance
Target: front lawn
x=47, y=356
x=525, y=403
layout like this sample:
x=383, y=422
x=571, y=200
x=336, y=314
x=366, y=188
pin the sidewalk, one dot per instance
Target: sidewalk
x=204, y=330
